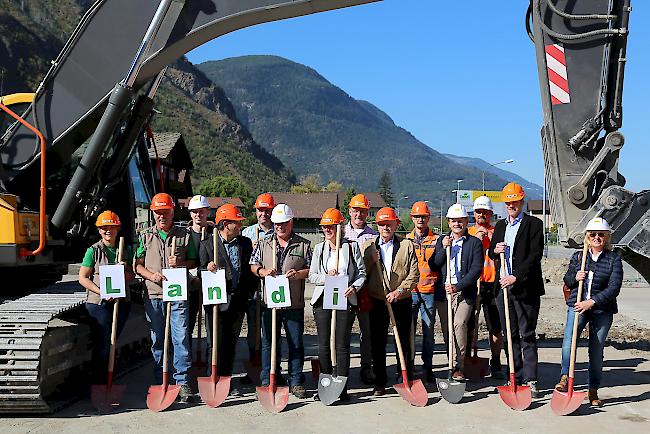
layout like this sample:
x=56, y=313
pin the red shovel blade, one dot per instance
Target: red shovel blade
x=412, y=392
x=476, y=368
x=273, y=401
x=214, y=391
x=315, y=368
x=515, y=397
x=106, y=398
x=162, y=396
x=563, y=403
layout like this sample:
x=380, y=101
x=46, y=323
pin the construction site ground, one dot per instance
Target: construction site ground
x=625, y=390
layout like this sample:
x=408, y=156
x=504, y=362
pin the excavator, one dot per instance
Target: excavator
x=82, y=134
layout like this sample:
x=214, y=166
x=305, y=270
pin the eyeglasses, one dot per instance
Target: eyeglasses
x=597, y=234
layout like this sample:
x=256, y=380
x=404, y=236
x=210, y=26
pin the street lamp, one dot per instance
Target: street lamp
x=458, y=181
x=398, y=201
x=494, y=164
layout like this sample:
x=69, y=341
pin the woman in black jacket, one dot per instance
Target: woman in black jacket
x=603, y=277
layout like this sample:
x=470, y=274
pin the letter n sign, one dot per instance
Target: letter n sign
x=214, y=287
x=276, y=291
x=334, y=293
x=111, y=281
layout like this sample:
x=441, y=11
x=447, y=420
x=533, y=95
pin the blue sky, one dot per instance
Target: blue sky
x=461, y=77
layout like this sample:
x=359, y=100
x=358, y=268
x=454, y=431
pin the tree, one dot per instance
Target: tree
x=333, y=187
x=308, y=184
x=385, y=188
x=224, y=186
x=349, y=194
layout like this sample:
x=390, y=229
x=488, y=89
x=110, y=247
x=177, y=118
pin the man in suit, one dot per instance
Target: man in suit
x=392, y=273
x=465, y=266
x=520, y=238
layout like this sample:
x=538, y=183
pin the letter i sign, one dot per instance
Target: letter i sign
x=334, y=293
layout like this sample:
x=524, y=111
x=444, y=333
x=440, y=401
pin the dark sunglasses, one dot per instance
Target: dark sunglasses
x=597, y=234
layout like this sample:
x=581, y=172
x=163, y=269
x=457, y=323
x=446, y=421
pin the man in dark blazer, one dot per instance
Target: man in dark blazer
x=234, y=255
x=520, y=237
x=466, y=265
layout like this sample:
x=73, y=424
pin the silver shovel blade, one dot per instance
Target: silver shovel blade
x=330, y=388
x=452, y=391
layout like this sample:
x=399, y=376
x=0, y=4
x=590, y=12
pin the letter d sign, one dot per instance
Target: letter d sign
x=277, y=291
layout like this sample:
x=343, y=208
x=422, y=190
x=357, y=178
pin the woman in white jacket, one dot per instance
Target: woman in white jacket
x=323, y=263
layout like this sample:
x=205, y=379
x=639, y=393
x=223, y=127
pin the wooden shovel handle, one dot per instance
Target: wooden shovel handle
x=215, y=247
x=398, y=341
x=478, y=313
x=274, y=315
x=215, y=315
x=450, y=314
x=333, y=321
x=111, y=354
x=120, y=250
x=576, y=315
x=506, y=308
x=166, y=344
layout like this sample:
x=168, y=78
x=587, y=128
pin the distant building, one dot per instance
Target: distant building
x=175, y=164
x=215, y=202
x=535, y=208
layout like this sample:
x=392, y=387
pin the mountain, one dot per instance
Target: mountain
x=33, y=32
x=316, y=128
x=533, y=191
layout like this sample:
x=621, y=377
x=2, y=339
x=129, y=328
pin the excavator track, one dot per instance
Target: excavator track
x=46, y=349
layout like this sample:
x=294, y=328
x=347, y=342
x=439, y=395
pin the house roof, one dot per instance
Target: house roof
x=215, y=202
x=171, y=146
x=537, y=206
x=307, y=205
x=376, y=201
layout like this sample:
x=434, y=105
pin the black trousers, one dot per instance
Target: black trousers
x=524, y=313
x=344, y=320
x=229, y=323
x=379, y=323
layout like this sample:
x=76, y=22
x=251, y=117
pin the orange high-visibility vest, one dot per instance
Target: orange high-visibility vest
x=425, y=251
x=489, y=272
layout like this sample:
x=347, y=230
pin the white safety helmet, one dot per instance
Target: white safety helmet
x=456, y=211
x=197, y=202
x=281, y=213
x=598, y=224
x=483, y=202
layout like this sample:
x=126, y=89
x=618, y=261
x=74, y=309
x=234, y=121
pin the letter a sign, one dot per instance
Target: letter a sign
x=277, y=291
x=334, y=293
x=214, y=287
x=111, y=281
x=175, y=287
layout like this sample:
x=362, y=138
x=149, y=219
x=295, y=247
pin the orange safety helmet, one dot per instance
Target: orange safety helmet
x=107, y=218
x=420, y=208
x=331, y=216
x=229, y=212
x=359, y=201
x=162, y=201
x=512, y=192
x=264, y=201
x=387, y=214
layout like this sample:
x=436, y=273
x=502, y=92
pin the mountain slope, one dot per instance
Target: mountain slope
x=316, y=128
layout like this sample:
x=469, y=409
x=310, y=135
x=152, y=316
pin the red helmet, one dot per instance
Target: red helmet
x=264, y=201
x=386, y=214
x=162, y=201
x=229, y=212
x=331, y=216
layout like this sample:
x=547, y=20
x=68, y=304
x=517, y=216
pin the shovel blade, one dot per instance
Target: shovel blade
x=452, y=391
x=413, y=392
x=476, y=368
x=315, y=368
x=162, y=396
x=515, y=397
x=105, y=399
x=330, y=388
x=563, y=403
x=273, y=401
x=214, y=391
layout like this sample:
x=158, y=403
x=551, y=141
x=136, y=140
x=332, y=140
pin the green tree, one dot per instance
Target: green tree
x=224, y=186
x=308, y=184
x=386, y=189
x=349, y=194
x=333, y=187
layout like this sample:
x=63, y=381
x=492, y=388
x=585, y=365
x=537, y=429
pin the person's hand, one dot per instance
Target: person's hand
x=580, y=275
x=584, y=306
x=332, y=273
x=157, y=278
x=212, y=266
x=291, y=274
x=174, y=261
x=500, y=248
x=480, y=235
x=392, y=296
x=446, y=241
x=450, y=288
x=268, y=272
x=507, y=281
x=350, y=291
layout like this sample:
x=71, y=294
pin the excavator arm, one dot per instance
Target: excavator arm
x=581, y=57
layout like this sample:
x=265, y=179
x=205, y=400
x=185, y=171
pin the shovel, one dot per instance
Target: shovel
x=563, y=403
x=162, y=396
x=198, y=363
x=106, y=396
x=476, y=368
x=214, y=389
x=273, y=398
x=330, y=387
x=515, y=397
x=451, y=390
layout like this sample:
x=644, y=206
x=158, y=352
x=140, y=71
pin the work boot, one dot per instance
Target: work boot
x=379, y=391
x=367, y=376
x=234, y=391
x=563, y=384
x=185, y=395
x=534, y=391
x=299, y=391
x=495, y=370
x=344, y=397
x=430, y=376
x=246, y=380
x=594, y=400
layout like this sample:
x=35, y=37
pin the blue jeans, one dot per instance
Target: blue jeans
x=599, y=324
x=101, y=326
x=155, y=311
x=293, y=321
x=426, y=306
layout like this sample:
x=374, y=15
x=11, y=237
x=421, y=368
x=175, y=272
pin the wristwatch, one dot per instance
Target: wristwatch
x=401, y=291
